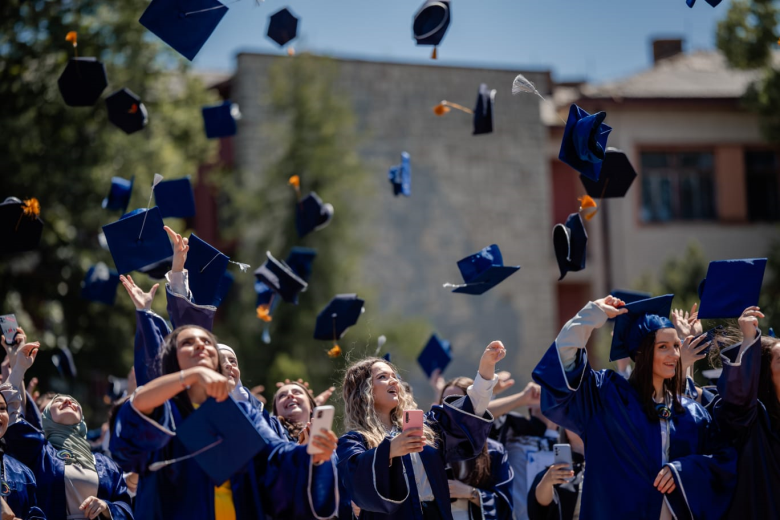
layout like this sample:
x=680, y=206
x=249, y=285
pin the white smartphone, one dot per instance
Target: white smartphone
x=562, y=454
x=321, y=417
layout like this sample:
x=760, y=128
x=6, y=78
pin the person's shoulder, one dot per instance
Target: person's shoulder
x=17, y=467
x=694, y=409
x=353, y=436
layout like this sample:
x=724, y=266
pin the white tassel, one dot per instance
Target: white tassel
x=244, y=267
x=453, y=286
x=157, y=179
x=521, y=84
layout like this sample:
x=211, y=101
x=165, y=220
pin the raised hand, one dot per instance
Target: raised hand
x=692, y=351
x=687, y=323
x=437, y=382
x=410, y=441
x=142, y=300
x=180, y=249
x=22, y=355
x=748, y=323
x=532, y=394
x=326, y=441
x=323, y=397
x=504, y=382
x=611, y=306
x=494, y=353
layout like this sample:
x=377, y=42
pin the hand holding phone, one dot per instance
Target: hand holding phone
x=413, y=419
x=9, y=325
x=321, y=418
x=562, y=455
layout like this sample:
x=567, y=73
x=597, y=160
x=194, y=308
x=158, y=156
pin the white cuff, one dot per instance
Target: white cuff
x=179, y=282
x=481, y=392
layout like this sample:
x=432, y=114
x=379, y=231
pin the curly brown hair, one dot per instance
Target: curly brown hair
x=293, y=428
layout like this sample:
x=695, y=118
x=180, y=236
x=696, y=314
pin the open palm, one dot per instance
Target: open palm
x=142, y=300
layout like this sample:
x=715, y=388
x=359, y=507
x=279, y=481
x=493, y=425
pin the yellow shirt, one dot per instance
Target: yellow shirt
x=224, y=509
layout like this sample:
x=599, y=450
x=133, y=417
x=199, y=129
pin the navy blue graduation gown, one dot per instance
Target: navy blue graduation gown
x=28, y=444
x=496, y=497
x=744, y=419
x=563, y=505
x=623, y=446
x=280, y=481
x=389, y=492
x=22, y=496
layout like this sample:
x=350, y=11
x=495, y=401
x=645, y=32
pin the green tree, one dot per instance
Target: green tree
x=65, y=157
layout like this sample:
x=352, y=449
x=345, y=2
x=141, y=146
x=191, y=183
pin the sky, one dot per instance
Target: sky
x=594, y=40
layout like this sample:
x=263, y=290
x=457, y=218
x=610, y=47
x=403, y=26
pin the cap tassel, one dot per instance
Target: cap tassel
x=133, y=108
x=73, y=37
x=444, y=107
x=30, y=207
x=336, y=350
x=290, y=51
x=586, y=202
x=453, y=286
x=244, y=267
x=434, y=54
x=264, y=312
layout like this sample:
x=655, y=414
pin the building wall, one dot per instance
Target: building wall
x=467, y=192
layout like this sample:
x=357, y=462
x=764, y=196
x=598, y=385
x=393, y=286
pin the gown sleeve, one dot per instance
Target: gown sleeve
x=496, y=500
x=372, y=482
x=738, y=388
x=119, y=499
x=25, y=443
x=137, y=436
x=570, y=387
x=150, y=330
x=181, y=309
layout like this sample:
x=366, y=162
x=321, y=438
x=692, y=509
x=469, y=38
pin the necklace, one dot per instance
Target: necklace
x=663, y=409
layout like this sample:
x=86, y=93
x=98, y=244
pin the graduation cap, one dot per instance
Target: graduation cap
x=82, y=82
x=615, y=178
x=280, y=278
x=630, y=296
x=730, y=287
x=312, y=215
x=220, y=437
x=206, y=266
x=62, y=359
x=584, y=142
x=570, y=241
x=138, y=240
x=300, y=260
x=282, y=27
x=221, y=120
x=483, y=111
x=20, y=225
x=482, y=271
x=713, y=3
x=225, y=284
x=772, y=332
x=119, y=195
x=126, y=111
x=436, y=354
x=338, y=315
x=100, y=284
x=157, y=270
x=185, y=25
x=431, y=22
x=175, y=198
x=642, y=318
x=400, y=176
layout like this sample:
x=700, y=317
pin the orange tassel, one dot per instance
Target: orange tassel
x=295, y=182
x=72, y=37
x=434, y=55
x=441, y=109
x=586, y=201
x=290, y=51
x=133, y=109
x=32, y=208
x=334, y=352
x=264, y=313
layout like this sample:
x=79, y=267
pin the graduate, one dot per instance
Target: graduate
x=293, y=404
x=749, y=413
x=555, y=492
x=72, y=482
x=482, y=486
x=651, y=451
x=390, y=474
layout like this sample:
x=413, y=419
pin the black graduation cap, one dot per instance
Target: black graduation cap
x=713, y=3
x=20, y=225
x=175, y=198
x=312, y=214
x=483, y=111
x=126, y=111
x=62, y=359
x=282, y=27
x=300, y=261
x=280, y=278
x=437, y=353
x=584, y=141
x=100, y=284
x=570, y=241
x=206, y=267
x=617, y=175
x=482, y=271
x=731, y=286
x=138, y=240
x=119, y=195
x=157, y=270
x=82, y=82
x=431, y=22
x=341, y=313
x=220, y=120
x=185, y=25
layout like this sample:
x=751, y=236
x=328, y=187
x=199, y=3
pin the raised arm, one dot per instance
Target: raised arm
x=528, y=397
x=150, y=331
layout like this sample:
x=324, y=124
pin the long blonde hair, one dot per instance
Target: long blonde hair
x=359, y=412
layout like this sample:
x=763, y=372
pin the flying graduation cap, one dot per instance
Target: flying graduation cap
x=175, y=198
x=138, y=240
x=282, y=27
x=62, y=359
x=570, y=241
x=100, y=284
x=339, y=314
x=20, y=225
x=713, y=3
x=436, y=354
x=730, y=287
x=119, y=195
x=642, y=318
x=221, y=120
x=185, y=26
x=431, y=22
x=482, y=271
x=280, y=278
x=126, y=111
x=207, y=267
x=300, y=261
x=312, y=214
x=400, y=176
x=617, y=175
x=584, y=141
x=483, y=112
x=83, y=80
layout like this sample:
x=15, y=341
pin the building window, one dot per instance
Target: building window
x=678, y=186
x=763, y=188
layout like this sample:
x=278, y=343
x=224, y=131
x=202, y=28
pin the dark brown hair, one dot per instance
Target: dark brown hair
x=293, y=428
x=479, y=476
x=767, y=393
x=642, y=379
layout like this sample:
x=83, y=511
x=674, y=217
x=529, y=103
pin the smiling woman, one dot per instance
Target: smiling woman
x=293, y=405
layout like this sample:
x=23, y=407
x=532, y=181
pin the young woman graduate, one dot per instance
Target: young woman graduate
x=482, y=486
x=749, y=413
x=394, y=475
x=72, y=481
x=650, y=450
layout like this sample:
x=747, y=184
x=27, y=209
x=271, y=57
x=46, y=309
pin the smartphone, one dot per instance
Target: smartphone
x=413, y=419
x=321, y=417
x=9, y=325
x=562, y=454
x=712, y=337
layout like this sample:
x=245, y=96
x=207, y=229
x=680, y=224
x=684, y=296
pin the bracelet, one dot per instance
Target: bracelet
x=181, y=379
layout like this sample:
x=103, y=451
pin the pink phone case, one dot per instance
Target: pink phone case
x=413, y=419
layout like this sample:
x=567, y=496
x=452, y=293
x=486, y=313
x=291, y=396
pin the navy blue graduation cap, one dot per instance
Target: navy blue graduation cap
x=282, y=27
x=338, y=315
x=82, y=82
x=280, y=278
x=584, y=142
x=483, y=111
x=570, y=241
x=20, y=225
x=431, y=22
x=642, y=318
x=119, y=195
x=386, y=357
x=126, y=111
x=617, y=175
x=730, y=287
x=630, y=296
x=100, y=284
x=185, y=25
x=400, y=176
x=482, y=271
x=312, y=215
x=138, y=240
x=772, y=332
x=300, y=261
x=206, y=266
x=436, y=354
x=157, y=270
x=62, y=359
x=713, y=3
x=175, y=198
x=220, y=120
x=223, y=437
